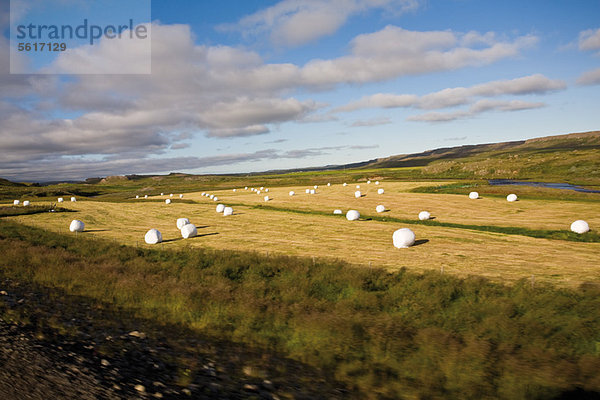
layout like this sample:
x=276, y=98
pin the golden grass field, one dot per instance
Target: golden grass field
x=461, y=252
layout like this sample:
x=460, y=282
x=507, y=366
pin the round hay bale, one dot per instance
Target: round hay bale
x=403, y=238
x=73, y=199
x=220, y=208
x=261, y=188
x=145, y=196
x=267, y=198
x=181, y=196
x=153, y=236
x=358, y=186
x=26, y=203
x=234, y=190
x=227, y=211
x=473, y=195
x=162, y=194
x=212, y=196
x=189, y=231
x=245, y=187
x=203, y=194
x=171, y=195
x=328, y=184
x=380, y=208
x=137, y=196
x=60, y=199
x=380, y=191
x=307, y=191
x=16, y=202
x=357, y=194
x=345, y=184
x=368, y=182
x=313, y=191
x=258, y=192
x=181, y=222
x=337, y=212
x=76, y=226
x=580, y=226
x=266, y=190
x=292, y=193
x=352, y=215
x=168, y=201
x=316, y=187
x=377, y=182
x=215, y=198
x=511, y=197
x=424, y=215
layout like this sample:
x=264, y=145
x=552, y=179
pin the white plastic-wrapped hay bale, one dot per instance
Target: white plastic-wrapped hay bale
x=473, y=195
x=368, y=182
x=266, y=190
x=377, y=182
x=137, y=196
x=153, y=236
x=76, y=226
x=212, y=196
x=313, y=191
x=403, y=238
x=215, y=198
x=227, y=211
x=16, y=202
x=168, y=201
x=580, y=226
x=424, y=215
x=358, y=186
x=203, y=194
x=357, y=194
x=60, y=200
x=181, y=222
x=380, y=208
x=380, y=191
x=261, y=188
x=267, y=198
x=258, y=192
x=344, y=184
x=171, y=195
x=307, y=191
x=316, y=187
x=73, y=199
x=235, y=190
x=245, y=187
x=145, y=196
x=220, y=208
x=181, y=196
x=337, y=212
x=352, y=215
x=162, y=194
x=292, y=193
x=26, y=203
x=189, y=231
x=511, y=197
x=328, y=184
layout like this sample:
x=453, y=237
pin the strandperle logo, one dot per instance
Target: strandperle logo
x=85, y=31
x=80, y=37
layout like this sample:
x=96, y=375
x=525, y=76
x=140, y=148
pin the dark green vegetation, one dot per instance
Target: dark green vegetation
x=9, y=211
x=591, y=236
x=381, y=334
x=573, y=158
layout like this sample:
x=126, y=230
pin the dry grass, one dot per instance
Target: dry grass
x=460, y=251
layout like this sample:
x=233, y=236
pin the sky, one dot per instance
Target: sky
x=244, y=86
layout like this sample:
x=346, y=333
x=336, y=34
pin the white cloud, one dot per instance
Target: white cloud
x=476, y=108
x=371, y=122
x=533, y=84
x=297, y=22
x=589, y=40
x=590, y=77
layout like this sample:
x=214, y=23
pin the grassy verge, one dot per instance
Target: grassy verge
x=589, y=237
x=13, y=211
x=382, y=334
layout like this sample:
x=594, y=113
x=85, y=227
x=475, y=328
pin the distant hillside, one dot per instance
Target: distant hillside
x=6, y=182
x=573, y=157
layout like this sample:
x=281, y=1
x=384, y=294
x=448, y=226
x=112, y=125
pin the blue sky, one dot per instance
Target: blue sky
x=239, y=86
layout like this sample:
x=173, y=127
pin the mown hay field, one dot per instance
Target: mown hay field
x=461, y=252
